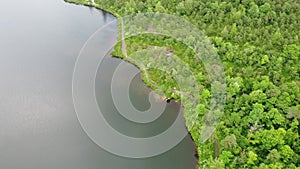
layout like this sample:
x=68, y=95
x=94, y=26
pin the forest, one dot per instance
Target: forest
x=259, y=47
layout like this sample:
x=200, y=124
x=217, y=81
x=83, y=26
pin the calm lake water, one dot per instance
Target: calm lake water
x=40, y=42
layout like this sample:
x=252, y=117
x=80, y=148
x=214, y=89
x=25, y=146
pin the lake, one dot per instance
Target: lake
x=39, y=129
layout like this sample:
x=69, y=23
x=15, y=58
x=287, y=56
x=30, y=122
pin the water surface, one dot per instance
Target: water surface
x=39, y=42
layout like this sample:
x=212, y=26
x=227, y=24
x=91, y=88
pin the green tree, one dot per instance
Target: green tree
x=229, y=141
x=293, y=113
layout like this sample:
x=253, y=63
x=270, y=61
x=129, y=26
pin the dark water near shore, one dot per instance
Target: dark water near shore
x=40, y=42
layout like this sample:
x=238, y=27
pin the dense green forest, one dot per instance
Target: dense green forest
x=258, y=44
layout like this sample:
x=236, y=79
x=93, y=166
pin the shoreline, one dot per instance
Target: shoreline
x=89, y=4
x=256, y=43
x=98, y=7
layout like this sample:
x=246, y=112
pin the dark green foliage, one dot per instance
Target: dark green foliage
x=258, y=43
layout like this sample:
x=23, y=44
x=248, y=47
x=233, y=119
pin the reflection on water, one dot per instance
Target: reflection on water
x=40, y=41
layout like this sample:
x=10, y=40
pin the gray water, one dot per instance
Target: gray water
x=39, y=44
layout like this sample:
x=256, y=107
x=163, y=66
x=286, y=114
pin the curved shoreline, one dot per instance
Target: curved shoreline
x=258, y=45
x=151, y=84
